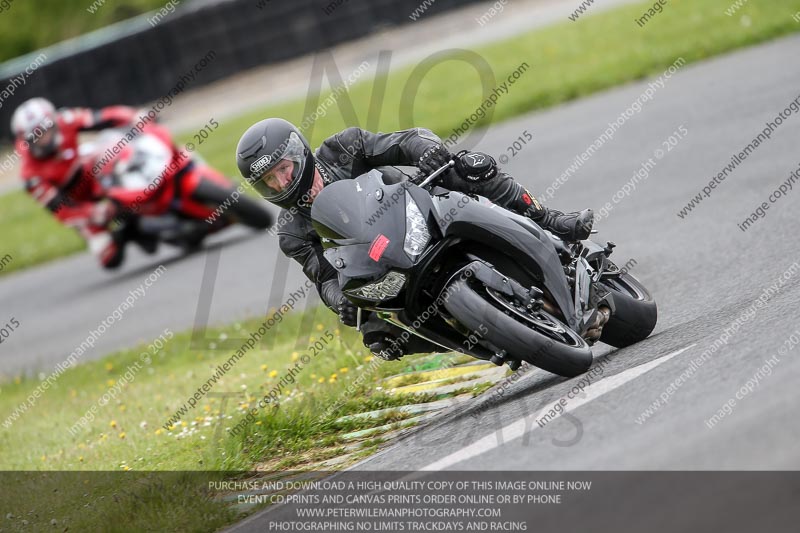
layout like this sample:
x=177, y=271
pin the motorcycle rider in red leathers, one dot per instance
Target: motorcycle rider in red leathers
x=47, y=142
x=161, y=192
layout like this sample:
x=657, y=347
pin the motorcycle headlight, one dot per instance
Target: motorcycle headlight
x=385, y=288
x=417, y=235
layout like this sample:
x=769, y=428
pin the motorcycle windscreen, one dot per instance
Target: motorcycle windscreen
x=362, y=223
x=142, y=162
x=148, y=166
x=351, y=211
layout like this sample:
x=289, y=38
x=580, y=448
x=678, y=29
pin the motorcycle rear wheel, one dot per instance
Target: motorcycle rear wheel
x=540, y=338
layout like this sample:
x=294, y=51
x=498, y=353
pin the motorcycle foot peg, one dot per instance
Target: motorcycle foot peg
x=499, y=358
x=609, y=248
x=514, y=364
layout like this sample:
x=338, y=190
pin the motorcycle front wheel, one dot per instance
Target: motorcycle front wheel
x=635, y=315
x=244, y=210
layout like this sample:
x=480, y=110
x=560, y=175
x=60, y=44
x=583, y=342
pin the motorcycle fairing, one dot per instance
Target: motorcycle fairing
x=508, y=233
x=362, y=226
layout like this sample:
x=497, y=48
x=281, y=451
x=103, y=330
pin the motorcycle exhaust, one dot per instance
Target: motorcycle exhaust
x=602, y=317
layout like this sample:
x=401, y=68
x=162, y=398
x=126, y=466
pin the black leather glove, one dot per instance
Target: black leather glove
x=334, y=298
x=433, y=158
x=384, y=345
x=348, y=313
x=475, y=166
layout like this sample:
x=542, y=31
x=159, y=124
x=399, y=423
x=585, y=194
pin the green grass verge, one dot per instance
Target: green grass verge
x=565, y=61
x=27, y=26
x=30, y=235
x=126, y=435
x=111, y=502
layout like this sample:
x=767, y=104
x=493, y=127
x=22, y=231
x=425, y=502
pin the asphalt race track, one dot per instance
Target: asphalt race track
x=703, y=270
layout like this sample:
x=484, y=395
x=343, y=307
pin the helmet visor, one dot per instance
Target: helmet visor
x=276, y=176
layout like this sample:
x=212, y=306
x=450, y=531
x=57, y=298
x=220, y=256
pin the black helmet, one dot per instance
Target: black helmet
x=262, y=147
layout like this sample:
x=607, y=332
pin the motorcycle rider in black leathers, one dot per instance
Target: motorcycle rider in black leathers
x=277, y=160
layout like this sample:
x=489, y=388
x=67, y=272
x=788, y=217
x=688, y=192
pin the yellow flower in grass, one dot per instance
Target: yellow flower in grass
x=110, y=382
x=320, y=327
x=344, y=370
x=122, y=435
x=264, y=368
x=80, y=459
x=109, y=367
x=321, y=380
x=334, y=375
x=113, y=424
x=159, y=431
x=295, y=356
x=368, y=358
x=273, y=374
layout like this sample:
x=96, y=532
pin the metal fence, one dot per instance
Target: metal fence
x=136, y=62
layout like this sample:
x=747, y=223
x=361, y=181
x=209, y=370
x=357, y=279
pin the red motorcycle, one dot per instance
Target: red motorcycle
x=155, y=192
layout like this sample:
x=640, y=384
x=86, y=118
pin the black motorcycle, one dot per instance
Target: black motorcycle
x=470, y=276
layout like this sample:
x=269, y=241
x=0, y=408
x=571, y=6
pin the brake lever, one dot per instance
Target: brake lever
x=436, y=173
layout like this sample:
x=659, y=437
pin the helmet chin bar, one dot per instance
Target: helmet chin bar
x=299, y=195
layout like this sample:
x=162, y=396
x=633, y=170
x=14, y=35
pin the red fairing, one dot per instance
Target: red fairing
x=163, y=193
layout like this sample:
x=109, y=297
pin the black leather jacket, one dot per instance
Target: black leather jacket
x=351, y=153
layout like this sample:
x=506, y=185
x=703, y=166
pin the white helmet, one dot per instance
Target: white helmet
x=31, y=121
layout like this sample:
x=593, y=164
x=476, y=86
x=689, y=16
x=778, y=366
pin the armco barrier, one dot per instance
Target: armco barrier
x=134, y=63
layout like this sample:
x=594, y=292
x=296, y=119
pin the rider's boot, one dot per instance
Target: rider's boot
x=568, y=226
